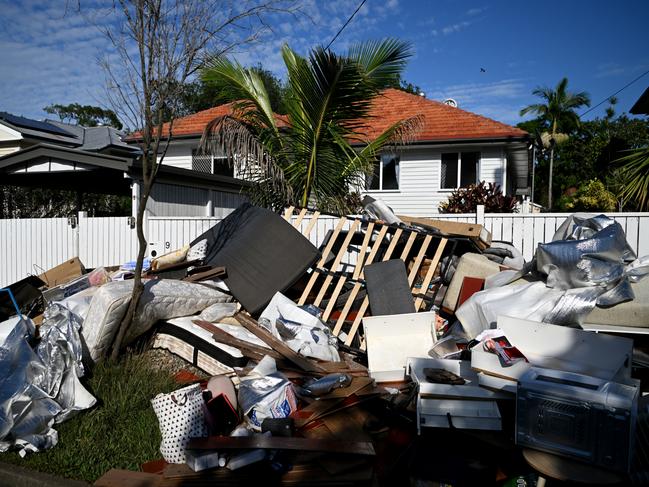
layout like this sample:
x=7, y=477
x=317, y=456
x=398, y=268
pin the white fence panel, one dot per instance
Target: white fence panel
x=31, y=245
x=28, y=246
x=106, y=241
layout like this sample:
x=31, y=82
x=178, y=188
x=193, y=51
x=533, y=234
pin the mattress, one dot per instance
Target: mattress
x=162, y=299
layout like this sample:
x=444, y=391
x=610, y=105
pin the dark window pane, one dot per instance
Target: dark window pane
x=390, y=172
x=373, y=179
x=449, y=171
x=469, y=168
x=222, y=167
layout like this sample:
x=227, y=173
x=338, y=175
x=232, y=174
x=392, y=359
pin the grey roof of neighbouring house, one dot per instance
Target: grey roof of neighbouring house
x=86, y=138
x=641, y=107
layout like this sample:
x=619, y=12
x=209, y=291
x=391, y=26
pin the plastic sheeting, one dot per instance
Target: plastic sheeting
x=303, y=332
x=587, y=264
x=40, y=386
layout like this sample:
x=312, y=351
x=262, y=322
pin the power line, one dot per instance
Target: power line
x=345, y=24
x=611, y=96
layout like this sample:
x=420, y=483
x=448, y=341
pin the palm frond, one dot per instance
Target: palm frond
x=382, y=61
x=635, y=175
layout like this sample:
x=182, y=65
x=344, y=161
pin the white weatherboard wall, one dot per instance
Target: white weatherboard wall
x=419, y=192
x=28, y=246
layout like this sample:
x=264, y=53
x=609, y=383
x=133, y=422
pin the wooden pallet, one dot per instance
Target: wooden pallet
x=326, y=281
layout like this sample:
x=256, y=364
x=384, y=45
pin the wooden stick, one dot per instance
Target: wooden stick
x=359, y=264
x=288, y=213
x=431, y=271
x=219, y=443
x=300, y=217
x=248, y=349
x=366, y=300
x=357, y=286
x=279, y=346
x=336, y=262
x=323, y=259
x=420, y=258
x=314, y=220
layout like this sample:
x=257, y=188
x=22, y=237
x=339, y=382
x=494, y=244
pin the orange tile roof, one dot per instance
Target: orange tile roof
x=440, y=121
x=194, y=124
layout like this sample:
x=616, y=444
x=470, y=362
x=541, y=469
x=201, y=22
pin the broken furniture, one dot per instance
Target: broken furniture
x=392, y=339
x=336, y=281
x=466, y=406
x=262, y=253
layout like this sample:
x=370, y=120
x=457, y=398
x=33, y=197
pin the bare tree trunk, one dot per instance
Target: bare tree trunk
x=138, y=285
x=550, y=177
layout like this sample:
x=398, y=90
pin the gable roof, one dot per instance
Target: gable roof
x=641, y=106
x=193, y=125
x=440, y=122
x=65, y=134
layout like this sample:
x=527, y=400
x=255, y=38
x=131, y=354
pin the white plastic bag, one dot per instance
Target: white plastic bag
x=180, y=415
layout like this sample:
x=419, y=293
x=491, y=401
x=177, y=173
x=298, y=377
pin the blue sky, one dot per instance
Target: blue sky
x=49, y=54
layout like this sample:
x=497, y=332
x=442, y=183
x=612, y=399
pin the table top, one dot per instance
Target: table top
x=565, y=469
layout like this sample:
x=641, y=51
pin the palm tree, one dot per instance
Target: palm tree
x=634, y=173
x=317, y=152
x=558, y=114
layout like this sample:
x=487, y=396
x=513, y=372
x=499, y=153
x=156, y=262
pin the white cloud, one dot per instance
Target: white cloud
x=450, y=29
x=500, y=100
x=475, y=11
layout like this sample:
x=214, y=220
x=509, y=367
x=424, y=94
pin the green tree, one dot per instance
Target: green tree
x=312, y=159
x=203, y=94
x=86, y=115
x=591, y=196
x=559, y=117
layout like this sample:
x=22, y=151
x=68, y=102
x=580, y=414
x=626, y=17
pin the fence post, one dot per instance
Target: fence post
x=77, y=233
x=479, y=214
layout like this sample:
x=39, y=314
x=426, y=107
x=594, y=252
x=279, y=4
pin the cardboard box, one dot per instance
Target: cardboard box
x=62, y=273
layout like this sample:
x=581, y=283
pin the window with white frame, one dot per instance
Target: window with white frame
x=459, y=169
x=211, y=164
x=385, y=175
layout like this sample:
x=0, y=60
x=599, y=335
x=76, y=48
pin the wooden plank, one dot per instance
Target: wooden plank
x=279, y=346
x=309, y=227
x=336, y=262
x=357, y=286
x=420, y=257
x=431, y=272
x=359, y=265
x=366, y=301
x=288, y=213
x=323, y=259
x=356, y=385
x=248, y=349
x=281, y=443
x=300, y=217
x=127, y=478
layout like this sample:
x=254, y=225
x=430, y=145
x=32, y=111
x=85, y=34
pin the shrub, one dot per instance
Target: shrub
x=465, y=200
x=591, y=196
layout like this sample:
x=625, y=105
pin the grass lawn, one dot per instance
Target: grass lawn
x=121, y=431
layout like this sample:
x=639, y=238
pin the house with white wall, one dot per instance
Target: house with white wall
x=453, y=149
x=55, y=155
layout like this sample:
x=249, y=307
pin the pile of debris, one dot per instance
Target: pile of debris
x=328, y=362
